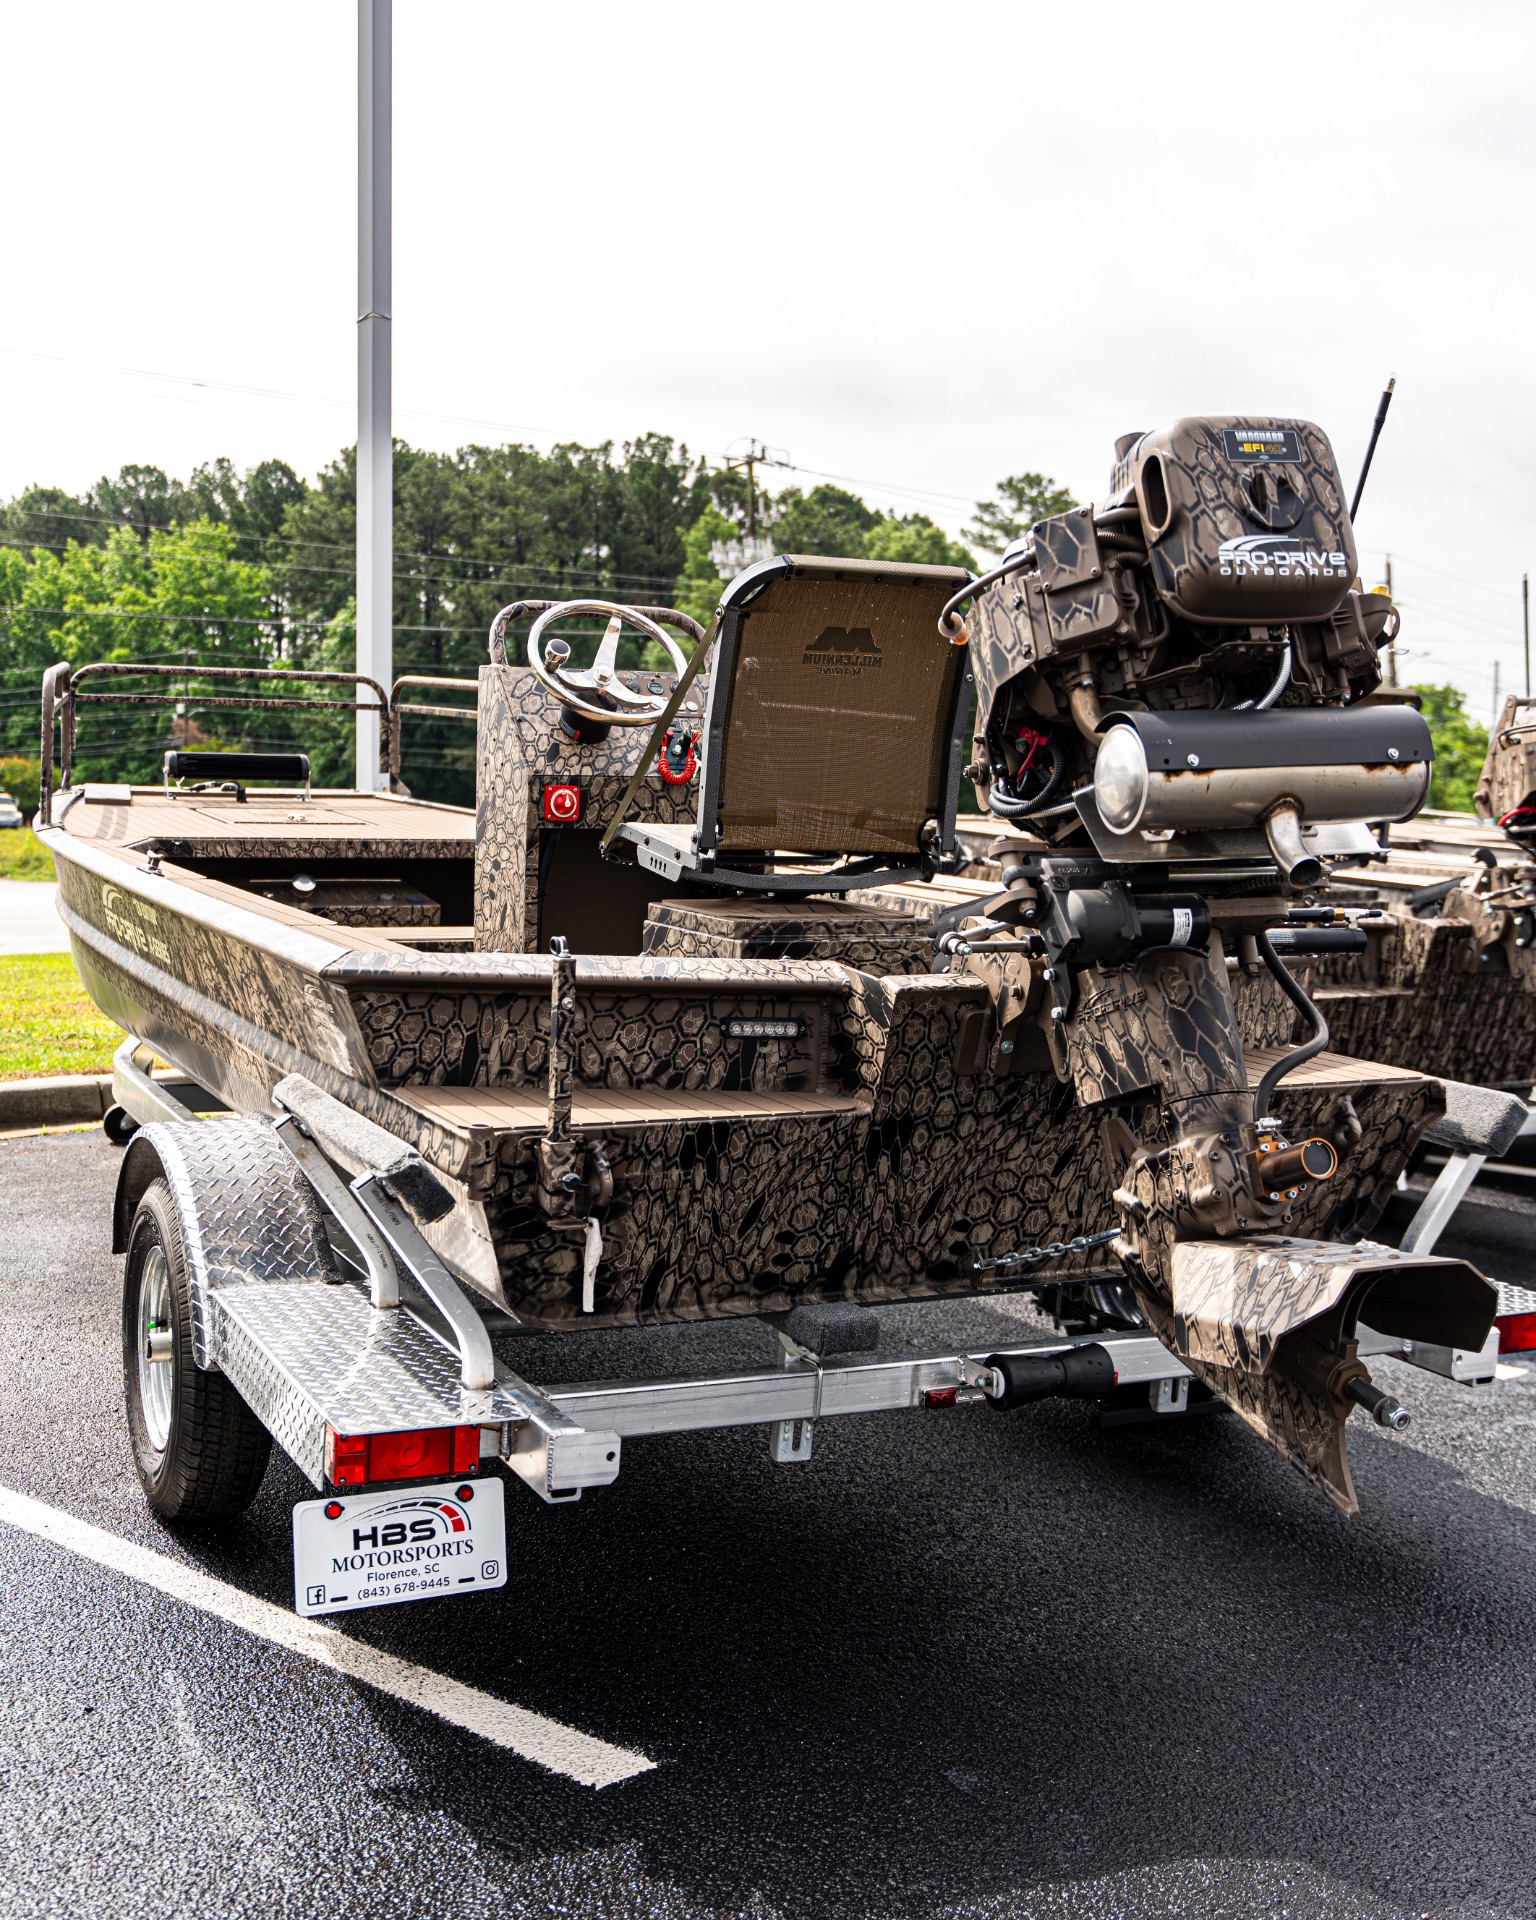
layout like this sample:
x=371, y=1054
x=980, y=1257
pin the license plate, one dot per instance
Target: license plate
x=415, y=1543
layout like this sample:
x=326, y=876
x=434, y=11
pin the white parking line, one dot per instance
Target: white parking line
x=565, y=1750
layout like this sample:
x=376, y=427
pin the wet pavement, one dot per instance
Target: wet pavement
x=961, y=1664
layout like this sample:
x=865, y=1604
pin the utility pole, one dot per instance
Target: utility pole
x=1525, y=608
x=375, y=445
x=1495, y=693
x=755, y=456
x=1392, y=649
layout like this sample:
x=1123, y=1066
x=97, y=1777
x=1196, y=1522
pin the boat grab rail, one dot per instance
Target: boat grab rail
x=61, y=699
x=399, y=708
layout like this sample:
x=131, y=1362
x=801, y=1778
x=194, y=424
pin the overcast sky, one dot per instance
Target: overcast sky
x=915, y=247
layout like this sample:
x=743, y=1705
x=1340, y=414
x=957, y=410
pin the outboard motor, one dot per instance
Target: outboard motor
x=1178, y=707
x=1216, y=581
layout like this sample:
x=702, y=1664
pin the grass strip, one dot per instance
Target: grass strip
x=48, y=1024
x=23, y=856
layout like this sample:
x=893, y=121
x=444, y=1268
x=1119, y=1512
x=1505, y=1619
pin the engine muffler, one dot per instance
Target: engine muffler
x=1224, y=771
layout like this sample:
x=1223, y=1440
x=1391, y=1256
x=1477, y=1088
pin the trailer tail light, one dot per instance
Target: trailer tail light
x=424, y=1453
x=1517, y=1332
x=940, y=1397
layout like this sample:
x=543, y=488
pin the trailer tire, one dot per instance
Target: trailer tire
x=199, y=1450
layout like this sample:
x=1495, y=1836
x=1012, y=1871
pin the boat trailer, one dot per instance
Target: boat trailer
x=317, y=1296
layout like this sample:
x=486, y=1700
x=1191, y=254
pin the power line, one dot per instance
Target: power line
x=1475, y=625
x=884, y=486
x=219, y=620
x=1478, y=586
x=524, y=571
x=468, y=420
x=267, y=393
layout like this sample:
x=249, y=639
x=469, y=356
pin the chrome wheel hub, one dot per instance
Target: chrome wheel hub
x=156, y=1348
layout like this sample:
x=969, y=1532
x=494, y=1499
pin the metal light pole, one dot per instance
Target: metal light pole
x=375, y=446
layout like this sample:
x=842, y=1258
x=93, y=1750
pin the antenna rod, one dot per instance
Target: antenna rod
x=1381, y=415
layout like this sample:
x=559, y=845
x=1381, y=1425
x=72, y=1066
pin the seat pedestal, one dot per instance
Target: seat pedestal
x=873, y=939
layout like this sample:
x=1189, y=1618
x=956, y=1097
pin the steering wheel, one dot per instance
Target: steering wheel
x=584, y=689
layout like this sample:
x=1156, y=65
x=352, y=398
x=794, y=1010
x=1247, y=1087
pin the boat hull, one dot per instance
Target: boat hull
x=744, y=1179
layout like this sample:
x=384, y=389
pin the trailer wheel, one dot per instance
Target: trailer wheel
x=199, y=1450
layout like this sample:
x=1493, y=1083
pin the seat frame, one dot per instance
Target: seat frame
x=688, y=852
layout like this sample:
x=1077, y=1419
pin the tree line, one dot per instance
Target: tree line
x=257, y=569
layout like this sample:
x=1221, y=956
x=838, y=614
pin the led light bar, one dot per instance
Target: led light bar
x=764, y=1029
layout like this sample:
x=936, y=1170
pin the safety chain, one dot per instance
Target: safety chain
x=1056, y=1250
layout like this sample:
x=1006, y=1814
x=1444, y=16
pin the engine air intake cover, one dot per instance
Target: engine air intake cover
x=1245, y=519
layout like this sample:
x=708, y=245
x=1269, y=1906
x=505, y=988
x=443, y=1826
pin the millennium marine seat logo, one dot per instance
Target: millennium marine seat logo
x=842, y=650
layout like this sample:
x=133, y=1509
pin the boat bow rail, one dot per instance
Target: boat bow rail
x=63, y=696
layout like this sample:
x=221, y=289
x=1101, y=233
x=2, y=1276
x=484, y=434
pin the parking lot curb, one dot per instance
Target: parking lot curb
x=66, y=1099
x=63, y=1100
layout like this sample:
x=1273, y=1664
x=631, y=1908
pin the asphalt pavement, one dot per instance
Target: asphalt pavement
x=962, y=1664
x=29, y=918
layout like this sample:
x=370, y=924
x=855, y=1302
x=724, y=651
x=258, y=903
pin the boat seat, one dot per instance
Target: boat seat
x=832, y=736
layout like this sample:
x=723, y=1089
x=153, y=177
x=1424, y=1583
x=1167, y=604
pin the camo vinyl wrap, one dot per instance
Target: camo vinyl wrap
x=920, y=1172
x=1234, y=1314
x=1187, y=564
x=1424, y=996
x=453, y=1036
x=1168, y=1023
x=1265, y=1017
x=1303, y=1426
x=519, y=751
x=872, y=940
x=1508, y=779
x=335, y=834
x=1162, y=1040
x=895, y=1197
x=1002, y=645
x=1276, y=1319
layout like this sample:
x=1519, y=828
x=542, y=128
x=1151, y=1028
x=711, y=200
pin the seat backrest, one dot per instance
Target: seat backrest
x=836, y=709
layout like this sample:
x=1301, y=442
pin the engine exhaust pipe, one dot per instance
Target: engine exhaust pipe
x=1284, y=1169
x=1282, y=828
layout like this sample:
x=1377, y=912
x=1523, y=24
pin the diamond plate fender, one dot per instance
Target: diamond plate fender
x=247, y=1212
x=305, y=1357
